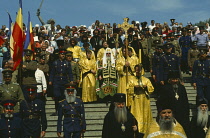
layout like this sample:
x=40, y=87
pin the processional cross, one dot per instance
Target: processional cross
x=125, y=26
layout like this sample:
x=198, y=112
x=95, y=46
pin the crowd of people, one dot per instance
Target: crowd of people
x=107, y=63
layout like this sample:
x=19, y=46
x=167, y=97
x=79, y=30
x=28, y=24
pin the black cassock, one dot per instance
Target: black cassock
x=197, y=131
x=179, y=101
x=113, y=129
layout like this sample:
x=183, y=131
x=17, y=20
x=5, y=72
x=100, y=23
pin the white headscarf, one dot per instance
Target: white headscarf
x=108, y=50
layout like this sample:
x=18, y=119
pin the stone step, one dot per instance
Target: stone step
x=92, y=118
x=152, y=103
x=90, y=134
x=191, y=90
x=90, y=122
x=191, y=98
x=48, y=102
x=51, y=110
x=191, y=94
x=89, y=127
x=96, y=116
x=188, y=85
x=95, y=105
x=51, y=134
x=95, y=113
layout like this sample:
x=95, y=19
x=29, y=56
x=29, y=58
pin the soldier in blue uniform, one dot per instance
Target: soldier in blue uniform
x=32, y=112
x=10, y=125
x=72, y=109
x=168, y=62
x=53, y=57
x=185, y=42
x=201, y=77
x=156, y=63
x=156, y=66
x=61, y=74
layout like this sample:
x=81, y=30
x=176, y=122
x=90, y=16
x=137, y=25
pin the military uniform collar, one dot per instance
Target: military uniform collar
x=6, y=83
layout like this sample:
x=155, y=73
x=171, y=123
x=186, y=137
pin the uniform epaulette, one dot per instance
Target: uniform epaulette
x=62, y=100
x=73, y=62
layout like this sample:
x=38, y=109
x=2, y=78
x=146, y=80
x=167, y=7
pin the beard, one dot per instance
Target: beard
x=70, y=97
x=8, y=115
x=166, y=126
x=120, y=114
x=108, y=58
x=175, y=87
x=202, y=118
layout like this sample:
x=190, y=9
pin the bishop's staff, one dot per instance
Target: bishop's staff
x=125, y=26
x=116, y=45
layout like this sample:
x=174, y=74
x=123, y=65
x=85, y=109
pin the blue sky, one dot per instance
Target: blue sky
x=80, y=12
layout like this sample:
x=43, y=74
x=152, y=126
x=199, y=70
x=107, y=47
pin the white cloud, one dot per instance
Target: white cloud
x=164, y=5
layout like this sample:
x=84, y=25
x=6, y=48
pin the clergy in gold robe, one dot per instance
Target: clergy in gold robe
x=165, y=126
x=106, y=82
x=101, y=51
x=140, y=88
x=86, y=48
x=132, y=55
x=154, y=131
x=121, y=64
x=120, y=51
x=88, y=69
x=75, y=49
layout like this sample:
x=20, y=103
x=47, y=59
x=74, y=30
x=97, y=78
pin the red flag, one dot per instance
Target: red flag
x=1, y=41
x=18, y=38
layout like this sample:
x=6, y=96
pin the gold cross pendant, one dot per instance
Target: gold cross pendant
x=205, y=129
x=177, y=96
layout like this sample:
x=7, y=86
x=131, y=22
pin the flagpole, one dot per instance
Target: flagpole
x=17, y=35
x=10, y=29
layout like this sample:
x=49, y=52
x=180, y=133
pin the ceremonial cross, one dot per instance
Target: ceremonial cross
x=125, y=26
x=205, y=129
x=177, y=96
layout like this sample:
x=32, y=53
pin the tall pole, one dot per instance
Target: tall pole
x=125, y=26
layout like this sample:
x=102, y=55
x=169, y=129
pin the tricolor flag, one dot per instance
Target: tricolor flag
x=10, y=35
x=17, y=34
x=29, y=41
